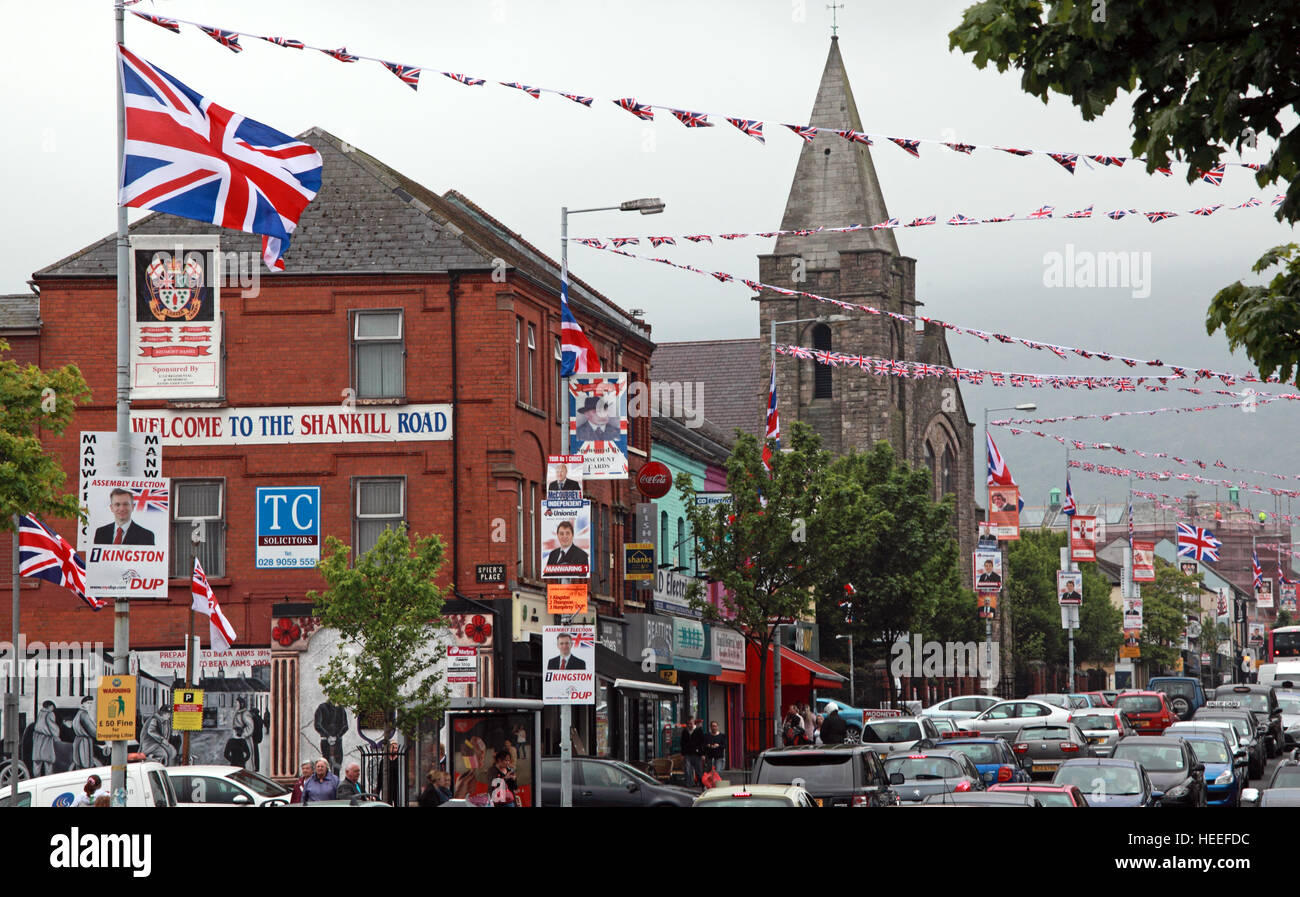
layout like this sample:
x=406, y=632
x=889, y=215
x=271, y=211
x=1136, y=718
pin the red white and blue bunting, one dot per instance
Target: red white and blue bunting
x=1162, y=475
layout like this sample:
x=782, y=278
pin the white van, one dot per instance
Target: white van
x=147, y=785
x=1277, y=673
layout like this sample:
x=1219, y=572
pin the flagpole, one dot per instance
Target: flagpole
x=11, y=697
x=121, y=606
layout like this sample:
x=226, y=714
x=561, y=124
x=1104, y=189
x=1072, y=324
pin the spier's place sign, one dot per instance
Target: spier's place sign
x=298, y=424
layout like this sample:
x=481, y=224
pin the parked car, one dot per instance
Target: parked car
x=1107, y=782
x=1262, y=699
x=993, y=758
x=1184, y=693
x=836, y=775
x=1225, y=772
x=1285, y=778
x=1100, y=698
x=1247, y=727
x=225, y=786
x=1148, y=711
x=1008, y=717
x=756, y=796
x=147, y=785
x=1086, y=699
x=963, y=707
x=1176, y=774
x=1042, y=749
x=1068, y=702
x=599, y=782
x=903, y=733
x=1103, y=727
x=981, y=799
x=1049, y=795
x=932, y=772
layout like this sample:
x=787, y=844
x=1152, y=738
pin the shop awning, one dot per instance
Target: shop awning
x=702, y=667
x=640, y=685
x=796, y=669
x=731, y=677
x=625, y=674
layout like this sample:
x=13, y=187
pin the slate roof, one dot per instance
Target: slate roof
x=20, y=311
x=734, y=374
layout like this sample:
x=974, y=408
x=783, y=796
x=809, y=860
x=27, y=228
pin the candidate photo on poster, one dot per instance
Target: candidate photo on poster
x=566, y=540
x=565, y=659
x=122, y=530
x=564, y=476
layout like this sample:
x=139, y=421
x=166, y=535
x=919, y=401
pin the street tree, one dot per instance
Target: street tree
x=1165, y=605
x=387, y=612
x=33, y=402
x=1203, y=76
x=758, y=546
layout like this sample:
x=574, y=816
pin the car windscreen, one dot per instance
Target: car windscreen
x=1137, y=704
x=1055, y=700
x=1174, y=687
x=1256, y=701
x=746, y=802
x=1155, y=757
x=1241, y=726
x=1035, y=733
x=1210, y=751
x=814, y=771
x=1054, y=798
x=1096, y=722
x=258, y=784
x=891, y=732
x=914, y=768
x=1090, y=779
x=980, y=754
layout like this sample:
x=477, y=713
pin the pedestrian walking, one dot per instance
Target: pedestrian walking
x=715, y=748
x=437, y=791
x=323, y=785
x=834, y=730
x=304, y=773
x=693, y=752
x=350, y=787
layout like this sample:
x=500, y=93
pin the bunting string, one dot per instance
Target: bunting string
x=1079, y=445
x=1163, y=475
x=750, y=127
x=1042, y=213
x=1179, y=371
x=1109, y=415
x=1156, y=497
x=892, y=367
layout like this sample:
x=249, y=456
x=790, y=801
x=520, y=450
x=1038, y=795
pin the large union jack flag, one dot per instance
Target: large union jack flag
x=577, y=354
x=1068, y=507
x=1259, y=572
x=999, y=473
x=1196, y=542
x=44, y=554
x=772, y=438
x=187, y=156
x=408, y=73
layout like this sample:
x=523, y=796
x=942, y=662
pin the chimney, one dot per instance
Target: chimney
x=1191, y=503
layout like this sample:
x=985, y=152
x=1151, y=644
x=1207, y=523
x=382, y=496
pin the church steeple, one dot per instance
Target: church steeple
x=835, y=181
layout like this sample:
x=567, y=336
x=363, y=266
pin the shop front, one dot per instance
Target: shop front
x=655, y=707
x=800, y=677
x=726, y=691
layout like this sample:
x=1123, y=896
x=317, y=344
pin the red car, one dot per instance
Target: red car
x=1049, y=795
x=1147, y=711
x=1098, y=698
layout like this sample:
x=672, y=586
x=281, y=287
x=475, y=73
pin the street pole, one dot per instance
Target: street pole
x=777, y=712
x=853, y=698
x=11, y=696
x=121, y=606
x=988, y=529
x=566, y=712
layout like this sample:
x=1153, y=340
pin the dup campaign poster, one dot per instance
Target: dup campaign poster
x=129, y=523
x=176, y=317
x=598, y=424
x=566, y=539
x=569, y=658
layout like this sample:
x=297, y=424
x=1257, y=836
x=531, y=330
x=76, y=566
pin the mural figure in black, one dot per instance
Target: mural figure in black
x=331, y=725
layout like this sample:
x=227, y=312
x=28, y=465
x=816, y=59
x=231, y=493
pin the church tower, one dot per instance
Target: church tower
x=835, y=184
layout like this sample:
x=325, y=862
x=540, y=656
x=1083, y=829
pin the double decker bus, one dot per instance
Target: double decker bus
x=1284, y=644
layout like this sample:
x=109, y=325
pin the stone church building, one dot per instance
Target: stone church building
x=835, y=184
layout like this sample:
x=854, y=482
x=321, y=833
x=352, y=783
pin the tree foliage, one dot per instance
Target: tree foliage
x=1204, y=76
x=1165, y=605
x=32, y=400
x=386, y=610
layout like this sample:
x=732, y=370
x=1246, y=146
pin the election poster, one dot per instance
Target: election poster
x=1004, y=513
x=1133, y=613
x=1264, y=594
x=97, y=457
x=566, y=539
x=988, y=604
x=1083, y=538
x=1287, y=597
x=175, y=317
x=1144, y=563
x=1256, y=634
x=564, y=477
x=129, y=523
x=598, y=425
x=569, y=659
x=988, y=571
x=1069, y=588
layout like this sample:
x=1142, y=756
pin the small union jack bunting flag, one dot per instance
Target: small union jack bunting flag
x=1117, y=214
x=732, y=236
x=1042, y=212
x=465, y=79
x=966, y=148
x=750, y=127
x=920, y=222
x=855, y=137
x=1014, y=152
x=1066, y=160
x=1249, y=204
x=1153, y=217
x=1117, y=161
x=659, y=241
x=1207, y=210
x=169, y=24
x=341, y=54
x=1253, y=166
x=533, y=92
x=890, y=223
x=286, y=42
x=228, y=39
x=998, y=219
x=699, y=238
x=591, y=242
x=722, y=276
x=961, y=219
x=1277, y=200
x=625, y=241
x=911, y=147
x=807, y=132
x=1164, y=169
x=691, y=119
x=640, y=110
x=1214, y=175
x=580, y=100
x=1082, y=213
x=409, y=74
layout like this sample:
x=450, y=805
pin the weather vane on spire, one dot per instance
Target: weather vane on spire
x=834, y=24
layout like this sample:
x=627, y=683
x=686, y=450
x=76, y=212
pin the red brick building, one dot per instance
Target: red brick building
x=394, y=297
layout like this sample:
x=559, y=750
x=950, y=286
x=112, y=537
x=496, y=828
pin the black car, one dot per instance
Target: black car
x=1262, y=699
x=1249, y=731
x=1176, y=774
x=610, y=783
x=836, y=775
x=1284, y=780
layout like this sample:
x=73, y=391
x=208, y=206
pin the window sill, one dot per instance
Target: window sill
x=537, y=412
x=394, y=400
x=212, y=403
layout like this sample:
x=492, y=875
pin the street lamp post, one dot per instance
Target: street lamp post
x=651, y=206
x=988, y=621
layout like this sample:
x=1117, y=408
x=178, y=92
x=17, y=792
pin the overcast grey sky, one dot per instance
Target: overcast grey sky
x=522, y=159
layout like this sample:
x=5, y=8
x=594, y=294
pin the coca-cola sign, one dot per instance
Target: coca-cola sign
x=654, y=480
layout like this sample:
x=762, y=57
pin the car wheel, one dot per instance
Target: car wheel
x=853, y=735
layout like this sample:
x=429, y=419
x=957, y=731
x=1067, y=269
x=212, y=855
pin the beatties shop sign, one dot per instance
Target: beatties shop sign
x=295, y=425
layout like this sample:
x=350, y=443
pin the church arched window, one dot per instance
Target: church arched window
x=949, y=477
x=821, y=337
x=929, y=462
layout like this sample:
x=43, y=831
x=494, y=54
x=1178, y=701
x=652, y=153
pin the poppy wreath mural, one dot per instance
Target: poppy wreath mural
x=479, y=629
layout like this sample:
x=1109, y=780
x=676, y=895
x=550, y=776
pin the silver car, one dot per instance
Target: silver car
x=1103, y=727
x=1006, y=718
x=963, y=707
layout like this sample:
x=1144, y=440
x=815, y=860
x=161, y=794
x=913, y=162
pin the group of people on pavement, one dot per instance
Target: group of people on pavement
x=317, y=783
x=802, y=726
x=703, y=754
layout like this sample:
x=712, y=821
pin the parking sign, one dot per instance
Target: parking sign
x=288, y=526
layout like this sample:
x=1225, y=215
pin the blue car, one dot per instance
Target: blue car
x=992, y=757
x=1225, y=777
